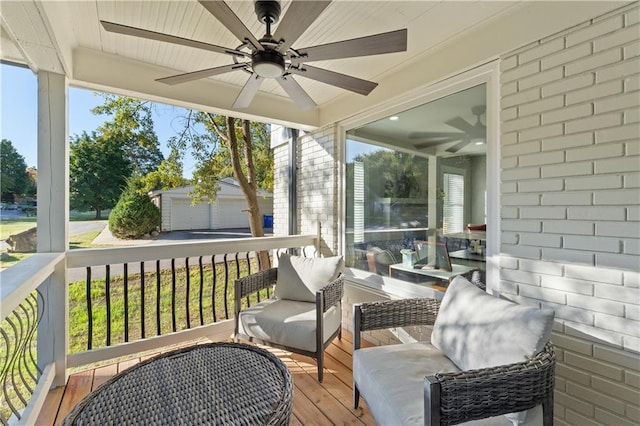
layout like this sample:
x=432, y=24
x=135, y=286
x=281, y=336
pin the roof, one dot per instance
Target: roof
x=229, y=188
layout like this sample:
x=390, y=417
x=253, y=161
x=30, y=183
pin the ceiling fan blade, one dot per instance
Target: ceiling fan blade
x=296, y=93
x=457, y=147
x=248, y=92
x=229, y=19
x=299, y=16
x=424, y=135
x=195, y=75
x=394, y=41
x=152, y=35
x=343, y=81
x=462, y=125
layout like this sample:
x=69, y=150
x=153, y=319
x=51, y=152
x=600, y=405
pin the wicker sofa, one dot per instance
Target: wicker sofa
x=487, y=358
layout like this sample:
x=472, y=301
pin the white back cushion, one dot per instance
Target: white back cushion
x=299, y=278
x=477, y=330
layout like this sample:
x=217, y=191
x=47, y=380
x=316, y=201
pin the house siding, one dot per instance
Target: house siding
x=569, y=193
x=317, y=186
x=281, y=189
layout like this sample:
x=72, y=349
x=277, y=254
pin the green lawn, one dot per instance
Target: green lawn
x=213, y=300
x=15, y=226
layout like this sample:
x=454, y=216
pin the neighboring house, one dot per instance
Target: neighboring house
x=228, y=210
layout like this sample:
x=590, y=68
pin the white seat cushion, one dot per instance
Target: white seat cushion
x=288, y=322
x=391, y=379
x=299, y=278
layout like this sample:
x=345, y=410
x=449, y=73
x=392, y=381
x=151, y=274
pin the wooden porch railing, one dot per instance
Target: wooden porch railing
x=128, y=287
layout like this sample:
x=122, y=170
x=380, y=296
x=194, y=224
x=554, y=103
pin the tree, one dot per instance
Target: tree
x=229, y=147
x=14, y=179
x=98, y=169
x=131, y=126
x=168, y=175
x=135, y=214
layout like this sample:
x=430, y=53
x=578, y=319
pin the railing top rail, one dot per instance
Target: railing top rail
x=115, y=255
x=18, y=281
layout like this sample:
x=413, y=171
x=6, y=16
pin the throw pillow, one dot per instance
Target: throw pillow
x=476, y=330
x=299, y=278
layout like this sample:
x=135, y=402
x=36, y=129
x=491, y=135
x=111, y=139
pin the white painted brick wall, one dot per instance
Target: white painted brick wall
x=571, y=223
x=318, y=186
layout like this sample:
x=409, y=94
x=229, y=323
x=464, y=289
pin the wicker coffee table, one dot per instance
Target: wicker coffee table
x=216, y=383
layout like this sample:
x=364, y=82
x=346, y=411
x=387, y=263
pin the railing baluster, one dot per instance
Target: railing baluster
x=32, y=319
x=107, y=290
x=201, y=289
x=126, y=302
x=226, y=286
x=173, y=294
x=142, y=301
x=248, y=263
x=213, y=292
x=187, y=295
x=22, y=360
x=89, y=311
x=11, y=365
x=158, y=298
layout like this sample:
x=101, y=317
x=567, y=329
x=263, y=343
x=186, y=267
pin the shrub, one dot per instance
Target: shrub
x=134, y=215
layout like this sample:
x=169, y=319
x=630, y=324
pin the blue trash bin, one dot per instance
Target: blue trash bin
x=267, y=221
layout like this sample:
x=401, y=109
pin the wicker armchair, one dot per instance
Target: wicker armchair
x=462, y=396
x=327, y=308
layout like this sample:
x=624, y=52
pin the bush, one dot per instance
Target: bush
x=134, y=215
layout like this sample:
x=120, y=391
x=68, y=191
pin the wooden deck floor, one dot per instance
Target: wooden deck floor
x=327, y=403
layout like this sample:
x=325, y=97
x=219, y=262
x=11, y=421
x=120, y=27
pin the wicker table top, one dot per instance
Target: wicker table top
x=216, y=383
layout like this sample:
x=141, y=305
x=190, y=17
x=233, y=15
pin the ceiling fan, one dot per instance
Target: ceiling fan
x=468, y=132
x=273, y=56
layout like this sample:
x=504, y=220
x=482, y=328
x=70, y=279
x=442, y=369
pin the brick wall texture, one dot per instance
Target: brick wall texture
x=570, y=206
x=281, y=190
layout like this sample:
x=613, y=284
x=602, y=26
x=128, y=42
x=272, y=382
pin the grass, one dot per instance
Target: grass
x=186, y=309
x=214, y=297
x=15, y=226
x=76, y=242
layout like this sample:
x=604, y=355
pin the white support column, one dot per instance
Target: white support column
x=53, y=218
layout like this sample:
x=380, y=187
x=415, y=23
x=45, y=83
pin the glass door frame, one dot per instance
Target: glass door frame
x=488, y=74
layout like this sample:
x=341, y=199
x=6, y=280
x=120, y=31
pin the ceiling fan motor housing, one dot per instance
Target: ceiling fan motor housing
x=268, y=11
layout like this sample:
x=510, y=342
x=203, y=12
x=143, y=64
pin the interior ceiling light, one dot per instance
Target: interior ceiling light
x=394, y=118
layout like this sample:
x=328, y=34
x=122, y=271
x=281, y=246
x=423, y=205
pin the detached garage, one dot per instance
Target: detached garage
x=227, y=211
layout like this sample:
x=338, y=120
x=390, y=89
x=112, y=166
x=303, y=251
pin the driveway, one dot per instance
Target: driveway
x=105, y=237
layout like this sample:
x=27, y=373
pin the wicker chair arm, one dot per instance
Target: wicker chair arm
x=256, y=282
x=487, y=392
x=332, y=293
x=396, y=313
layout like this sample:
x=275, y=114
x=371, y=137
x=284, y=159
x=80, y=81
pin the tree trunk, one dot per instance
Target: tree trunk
x=98, y=214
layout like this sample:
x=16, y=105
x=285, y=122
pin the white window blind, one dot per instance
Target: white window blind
x=453, y=209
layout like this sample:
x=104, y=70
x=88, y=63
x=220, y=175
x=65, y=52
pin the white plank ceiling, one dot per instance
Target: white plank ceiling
x=430, y=24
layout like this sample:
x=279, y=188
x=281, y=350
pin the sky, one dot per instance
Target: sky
x=19, y=120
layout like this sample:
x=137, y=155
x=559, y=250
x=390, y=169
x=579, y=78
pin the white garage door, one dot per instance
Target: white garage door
x=233, y=214
x=186, y=216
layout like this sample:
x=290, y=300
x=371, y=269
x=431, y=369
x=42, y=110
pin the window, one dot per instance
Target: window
x=453, y=208
x=421, y=177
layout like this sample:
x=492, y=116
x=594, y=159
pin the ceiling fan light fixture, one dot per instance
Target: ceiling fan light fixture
x=268, y=64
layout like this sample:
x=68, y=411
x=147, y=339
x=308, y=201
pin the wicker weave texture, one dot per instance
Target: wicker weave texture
x=398, y=313
x=477, y=394
x=333, y=293
x=256, y=282
x=217, y=384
